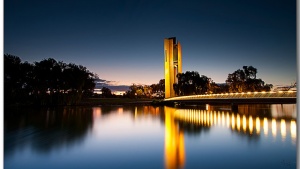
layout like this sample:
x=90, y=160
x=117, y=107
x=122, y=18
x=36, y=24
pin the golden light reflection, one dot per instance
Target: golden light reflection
x=223, y=119
x=232, y=121
x=201, y=117
x=120, y=110
x=204, y=118
x=97, y=112
x=293, y=131
x=135, y=112
x=265, y=126
x=228, y=119
x=215, y=118
x=244, y=123
x=250, y=125
x=219, y=118
x=274, y=127
x=283, y=129
x=238, y=122
x=211, y=118
x=174, y=141
x=257, y=125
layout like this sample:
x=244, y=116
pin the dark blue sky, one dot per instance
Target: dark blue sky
x=122, y=40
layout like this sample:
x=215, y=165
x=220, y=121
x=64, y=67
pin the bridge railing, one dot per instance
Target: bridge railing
x=280, y=94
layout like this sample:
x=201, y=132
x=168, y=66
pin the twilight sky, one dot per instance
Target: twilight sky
x=122, y=40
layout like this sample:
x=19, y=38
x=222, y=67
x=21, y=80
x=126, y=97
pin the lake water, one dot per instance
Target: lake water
x=254, y=136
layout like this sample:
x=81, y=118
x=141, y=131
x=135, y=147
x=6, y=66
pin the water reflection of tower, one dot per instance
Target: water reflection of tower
x=174, y=141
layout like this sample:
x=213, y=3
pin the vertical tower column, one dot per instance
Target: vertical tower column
x=173, y=65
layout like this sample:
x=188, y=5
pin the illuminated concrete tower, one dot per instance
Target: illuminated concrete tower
x=173, y=64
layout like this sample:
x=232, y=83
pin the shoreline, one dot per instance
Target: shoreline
x=158, y=102
x=99, y=102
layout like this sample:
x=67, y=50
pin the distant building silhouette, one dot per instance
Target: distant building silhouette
x=173, y=64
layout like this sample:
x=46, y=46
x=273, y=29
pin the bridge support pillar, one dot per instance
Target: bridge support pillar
x=234, y=107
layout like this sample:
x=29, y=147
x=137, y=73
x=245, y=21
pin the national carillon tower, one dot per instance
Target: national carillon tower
x=173, y=65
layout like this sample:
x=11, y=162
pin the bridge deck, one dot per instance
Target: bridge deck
x=251, y=97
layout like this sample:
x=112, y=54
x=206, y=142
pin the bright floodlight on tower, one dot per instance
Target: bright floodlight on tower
x=173, y=64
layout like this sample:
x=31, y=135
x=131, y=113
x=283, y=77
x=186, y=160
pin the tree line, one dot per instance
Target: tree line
x=191, y=83
x=51, y=82
x=47, y=82
x=146, y=91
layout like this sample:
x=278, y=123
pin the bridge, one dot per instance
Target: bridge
x=173, y=66
x=237, y=98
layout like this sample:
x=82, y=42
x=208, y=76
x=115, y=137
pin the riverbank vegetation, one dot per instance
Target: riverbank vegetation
x=191, y=83
x=47, y=82
x=51, y=82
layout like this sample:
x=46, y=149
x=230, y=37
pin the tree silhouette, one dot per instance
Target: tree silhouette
x=191, y=83
x=47, y=82
x=245, y=81
x=106, y=92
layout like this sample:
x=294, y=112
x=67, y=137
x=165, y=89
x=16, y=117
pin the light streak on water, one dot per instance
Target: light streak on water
x=265, y=126
x=283, y=129
x=294, y=131
x=238, y=122
x=274, y=127
x=250, y=124
x=257, y=125
x=244, y=123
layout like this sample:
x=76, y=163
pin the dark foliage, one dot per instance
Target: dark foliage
x=191, y=83
x=245, y=81
x=47, y=82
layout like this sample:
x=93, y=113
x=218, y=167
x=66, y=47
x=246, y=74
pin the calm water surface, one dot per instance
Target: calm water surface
x=254, y=136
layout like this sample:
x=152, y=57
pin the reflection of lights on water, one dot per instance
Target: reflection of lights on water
x=274, y=127
x=223, y=119
x=219, y=118
x=204, y=118
x=228, y=119
x=250, y=124
x=135, y=112
x=215, y=118
x=283, y=129
x=207, y=118
x=265, y=126
x=211, y=118
x=120, y=110
x=257, y=125
x=174, y=140
x=201, y=116
x=244, y=123
x=232, y=121
x=238, y=122
x=293, y=131
x=97, y=112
